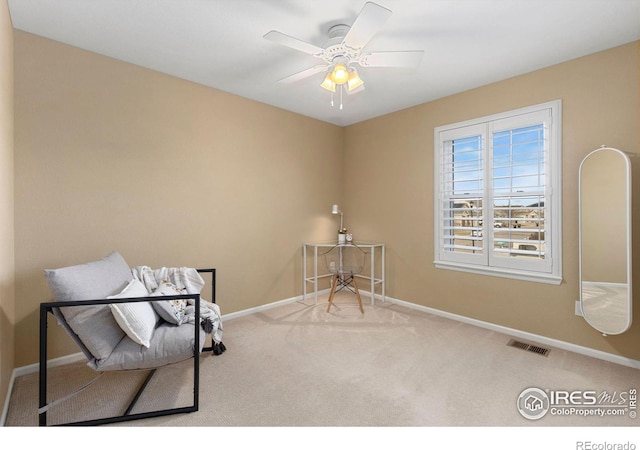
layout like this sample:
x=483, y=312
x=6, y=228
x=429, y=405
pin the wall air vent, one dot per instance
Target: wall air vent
x=529, y=348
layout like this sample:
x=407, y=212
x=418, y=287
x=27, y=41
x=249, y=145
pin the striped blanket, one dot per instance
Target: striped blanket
x=186, y=280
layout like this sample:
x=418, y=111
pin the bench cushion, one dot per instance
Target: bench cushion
x=170, y=344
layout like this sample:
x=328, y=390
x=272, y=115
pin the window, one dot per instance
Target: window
x=498, y=194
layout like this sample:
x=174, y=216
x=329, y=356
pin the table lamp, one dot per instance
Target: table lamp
x=342, y=233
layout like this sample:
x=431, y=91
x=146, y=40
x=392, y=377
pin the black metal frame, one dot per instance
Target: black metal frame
x=212, y=272
x=48, y=307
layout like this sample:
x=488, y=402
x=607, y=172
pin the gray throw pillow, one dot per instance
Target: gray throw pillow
x=95, y=324
x=172, y=311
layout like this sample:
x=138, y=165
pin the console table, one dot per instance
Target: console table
x=374, y=274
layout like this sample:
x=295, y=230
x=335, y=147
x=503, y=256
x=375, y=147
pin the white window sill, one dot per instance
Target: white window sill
x=501, y=272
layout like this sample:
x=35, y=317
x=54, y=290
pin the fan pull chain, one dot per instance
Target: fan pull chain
x=332, y=102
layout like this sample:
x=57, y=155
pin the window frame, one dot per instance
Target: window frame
x=548, y=270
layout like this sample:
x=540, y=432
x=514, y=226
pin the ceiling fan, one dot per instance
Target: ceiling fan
x=343, y=51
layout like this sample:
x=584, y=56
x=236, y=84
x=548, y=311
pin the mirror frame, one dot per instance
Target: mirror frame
x=628, y=221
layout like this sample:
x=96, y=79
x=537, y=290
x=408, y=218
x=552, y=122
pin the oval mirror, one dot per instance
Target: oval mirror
x=605, y=240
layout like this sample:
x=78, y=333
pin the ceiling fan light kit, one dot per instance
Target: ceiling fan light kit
x=343, y=50
x=340, y=75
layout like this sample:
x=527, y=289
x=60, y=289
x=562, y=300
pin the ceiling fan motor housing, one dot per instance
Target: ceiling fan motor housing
x=335, y=50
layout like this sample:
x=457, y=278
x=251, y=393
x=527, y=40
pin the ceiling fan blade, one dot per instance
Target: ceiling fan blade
x=409, y=59
x=367, y=24
x=294, y=43
x=304, y=74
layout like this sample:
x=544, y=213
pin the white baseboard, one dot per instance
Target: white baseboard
x=616, y=359
x=33, y=368
x=579, y=349
x=536, y=338
x=246, y=312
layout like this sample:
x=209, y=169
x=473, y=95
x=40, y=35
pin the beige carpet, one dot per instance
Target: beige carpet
x=297, y=366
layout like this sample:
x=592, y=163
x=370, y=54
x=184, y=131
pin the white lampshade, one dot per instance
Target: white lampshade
x=354, y=80
x=328, y=83
x=335, y=210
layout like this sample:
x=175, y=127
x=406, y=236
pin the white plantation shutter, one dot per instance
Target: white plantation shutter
x=461, y=195
x=497, y=194
x=519, y=191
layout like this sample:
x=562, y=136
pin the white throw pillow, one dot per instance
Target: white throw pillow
x=137, y=319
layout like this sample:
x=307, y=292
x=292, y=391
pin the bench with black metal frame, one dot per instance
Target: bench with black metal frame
x=53, y=308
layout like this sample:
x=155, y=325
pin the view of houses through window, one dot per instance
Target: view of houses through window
x=517, y=213
x=497, y=188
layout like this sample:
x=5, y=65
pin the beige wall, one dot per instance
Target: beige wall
x=390, y=196
x=7, y=299
x=111, y=156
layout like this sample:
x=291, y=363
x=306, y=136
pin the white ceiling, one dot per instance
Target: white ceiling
x=219, y=43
